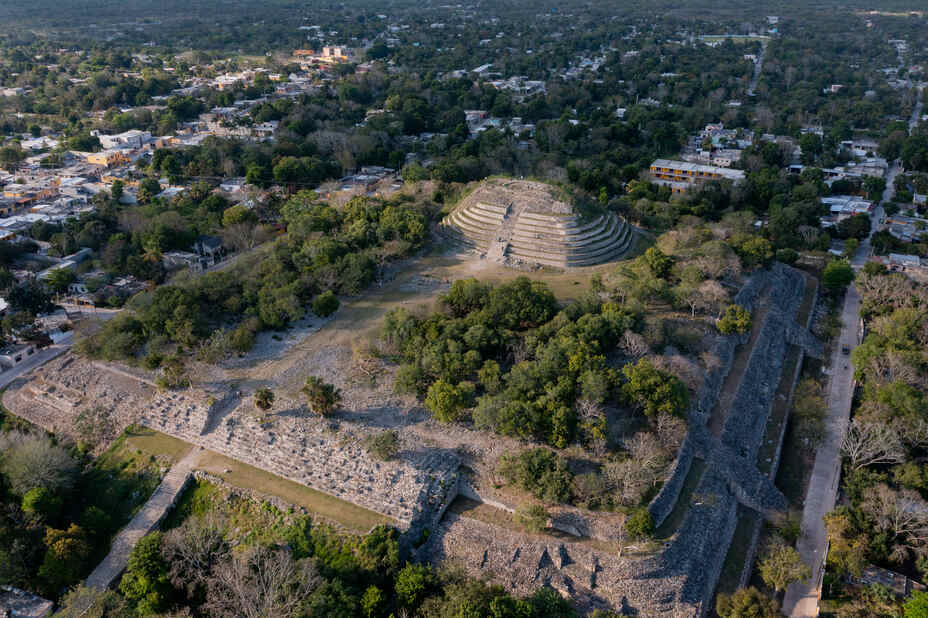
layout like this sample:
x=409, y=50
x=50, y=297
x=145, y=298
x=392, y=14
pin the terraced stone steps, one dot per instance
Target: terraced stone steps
x=527, y=224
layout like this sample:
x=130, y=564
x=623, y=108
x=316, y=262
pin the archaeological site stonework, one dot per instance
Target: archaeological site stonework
x=587, y=561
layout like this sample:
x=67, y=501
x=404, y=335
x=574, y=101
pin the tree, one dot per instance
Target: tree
x=857, y=227
x=83, y=602
x=59, y=279
x=325, y=304
x=654, y=390
x=264, y=398
x=117, y=190
x=640, y=524
x=736, y=319
x=446, y=401
x=781, y=565
x=42, y=503
x=870, y=443
x=261, y=582
x=659, y=262
x=746, y=603
x=148, y=189
x=917, y=606
x=65, y=558
x=837, y=275
x=145, y=583
x=413, y=584
x=31, y=461
x=847, y=551
x=371, y=601
x=238, y=214
x=321, y=396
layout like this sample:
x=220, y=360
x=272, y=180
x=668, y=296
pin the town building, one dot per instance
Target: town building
x=681, y=176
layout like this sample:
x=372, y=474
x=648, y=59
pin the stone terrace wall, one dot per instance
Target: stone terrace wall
x=414, y=489
x=724, y=350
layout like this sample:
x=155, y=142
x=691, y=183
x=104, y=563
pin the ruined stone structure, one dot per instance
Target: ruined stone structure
x=727, y=430
x=680, y=579
x=518, y=222
x=413, y=490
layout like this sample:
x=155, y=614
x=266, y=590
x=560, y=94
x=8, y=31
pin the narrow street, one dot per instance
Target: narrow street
x=758, y=67
x=801, y=600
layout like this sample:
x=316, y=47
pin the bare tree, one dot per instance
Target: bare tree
x=634, y=344
x=670, y=430
x=914, y=433
x=31, y=461
x=244, y=236
x=593, y=424
x=903, y=514
x=868, y=443
x=261, y=583
x=193, y=549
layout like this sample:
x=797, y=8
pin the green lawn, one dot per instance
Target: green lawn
x=327, y=507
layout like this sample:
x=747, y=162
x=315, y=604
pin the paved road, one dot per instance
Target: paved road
x=39, y=358
x=917, y=112
x=758, y=67
x=801, y=599
x=146, y=520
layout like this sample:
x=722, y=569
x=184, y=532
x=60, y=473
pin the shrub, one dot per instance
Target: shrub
x=539, y=471
x=446, y=401
x=654, y=390
x=325, y=304
x=264, y=398
x=383, y=445
x=787, y=256
x=837, y=275
x=736, y=319
x=321, y=396
x=639, y=524
x=534, y=517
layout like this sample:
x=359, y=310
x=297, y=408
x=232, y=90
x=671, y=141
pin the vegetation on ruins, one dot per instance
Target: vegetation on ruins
x=383, y=445
x=224, y=555
x=746, y=602
x=780, y=565
x=736, y=319
x=321, y=396
x=264, y=398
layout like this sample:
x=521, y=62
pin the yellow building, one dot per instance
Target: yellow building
x=108, y=158
x=682, y=175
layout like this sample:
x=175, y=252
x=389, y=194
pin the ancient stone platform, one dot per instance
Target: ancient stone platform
x=520, y=222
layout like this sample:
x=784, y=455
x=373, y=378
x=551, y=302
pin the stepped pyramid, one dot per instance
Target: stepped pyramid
x=524, y=222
